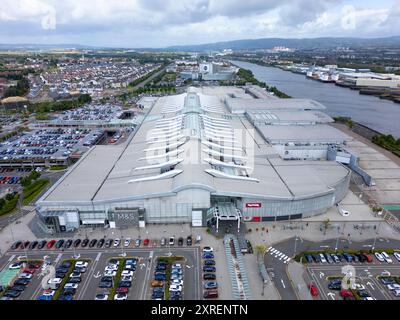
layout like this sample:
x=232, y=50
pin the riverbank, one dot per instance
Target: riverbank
x=377, y=114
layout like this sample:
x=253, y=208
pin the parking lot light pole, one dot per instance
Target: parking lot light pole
x=295, y=246
x=376, y=236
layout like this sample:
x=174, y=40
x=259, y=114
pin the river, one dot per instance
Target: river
x=375, y=113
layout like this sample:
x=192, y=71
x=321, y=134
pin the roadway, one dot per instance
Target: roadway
x=275, y=263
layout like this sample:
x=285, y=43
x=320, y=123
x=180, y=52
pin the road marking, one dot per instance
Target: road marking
x=98, y=256
x=332, y=295
x=283, y=284
x=57, y=258
x=11, y=258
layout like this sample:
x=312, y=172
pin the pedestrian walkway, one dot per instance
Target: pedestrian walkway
x=277, y=254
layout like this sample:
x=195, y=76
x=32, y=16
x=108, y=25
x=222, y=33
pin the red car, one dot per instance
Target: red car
x=369, y=258
x=313, y=290
x=50, y=244
x=122, y=290
x=345, y=293
x=146, y=242
x=31, y=271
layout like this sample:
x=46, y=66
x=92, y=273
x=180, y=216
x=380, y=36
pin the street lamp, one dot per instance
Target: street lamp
x=295, y=245
x=376, y=236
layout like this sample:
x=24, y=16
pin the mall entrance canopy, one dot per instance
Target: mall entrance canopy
x=226, y=211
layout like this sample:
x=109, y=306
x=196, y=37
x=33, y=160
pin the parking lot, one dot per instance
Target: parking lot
x=98, y=259
x=364, y=279
x=48, y=143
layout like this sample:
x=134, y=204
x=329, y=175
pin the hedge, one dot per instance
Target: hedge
x=9, y=205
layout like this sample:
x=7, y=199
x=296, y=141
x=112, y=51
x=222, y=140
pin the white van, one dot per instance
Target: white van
x=322, y=257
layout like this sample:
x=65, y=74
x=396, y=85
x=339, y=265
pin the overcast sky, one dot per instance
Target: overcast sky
x=159, y=23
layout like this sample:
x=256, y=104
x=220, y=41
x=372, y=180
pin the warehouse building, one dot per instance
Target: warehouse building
x=192, y=160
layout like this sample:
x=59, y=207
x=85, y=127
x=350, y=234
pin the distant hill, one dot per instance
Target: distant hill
x=306, y=43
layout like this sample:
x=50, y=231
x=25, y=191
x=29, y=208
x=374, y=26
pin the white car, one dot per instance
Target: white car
x=358, y=286
x=175, y=288
x=54, y=281
x=208, y=249
x=369, y=298
x=16, y=265
x=101, y=296
x=25, y=276
x=127, y=273
x=379, y=257
x=396, y=293
x=394, y=286
x=71, y=286
x=177, y=266
x=117, y=241
x=397, y=255
x=322, y=257
x=343, y=212
x=111, y=267
x=81, y=264
x=387, y=257
x=110, y=273
x=121, y=296
x=177, y=282
x=127, y=278
x=171, y=241
x=49, y=292
x=45, y=265
x=127, y=242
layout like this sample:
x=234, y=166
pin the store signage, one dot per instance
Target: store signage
x=253, y=205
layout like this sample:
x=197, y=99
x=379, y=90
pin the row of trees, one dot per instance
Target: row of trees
x=62, y=105
x=388, y=142
x=20, y=89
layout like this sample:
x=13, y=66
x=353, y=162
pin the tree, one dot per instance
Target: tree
x=350, y=124
x=260, y=250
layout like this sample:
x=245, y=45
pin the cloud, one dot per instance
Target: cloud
x=156, y=23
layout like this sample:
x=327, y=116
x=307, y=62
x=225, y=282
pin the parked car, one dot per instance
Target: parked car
x=189, y=240
x=117, y=242
x=209, y=269
x=322, y=258
x=211, y=285
x=108, y=243
x=100, y=243
x=209, y=276
x=101, y=296
x=33, y=245
x=171, y=241
x=77, y=242
x=387, y=257
x=146, y=242
x=84, y=243
x=208, y=255
x=180, y=241
x=394, y=286
x=68, y=243
x=379, y=257
x=127, y=242
x=16, y=265
x=121, y=296
x=346, y=293
x=209, y=262
x=208, y=294
x=59, y=243
x=50, y=244
x=387, y=280
x=41, y=244
x=208, y=249
x=92, y=243
x=163, y=242
x=397, y=255
x=138, y=242
x=16, y=245
x=309, y=258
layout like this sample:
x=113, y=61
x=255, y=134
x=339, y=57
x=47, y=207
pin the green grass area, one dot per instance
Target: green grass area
x=58, y=168
x=32, y=191
x=169, y=261
x=117, y=277
x=66, y=278
x=388, y=142
x=8, y=203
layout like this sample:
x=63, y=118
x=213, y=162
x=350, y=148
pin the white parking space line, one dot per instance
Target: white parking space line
x=57, y=259
x=11, y=258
